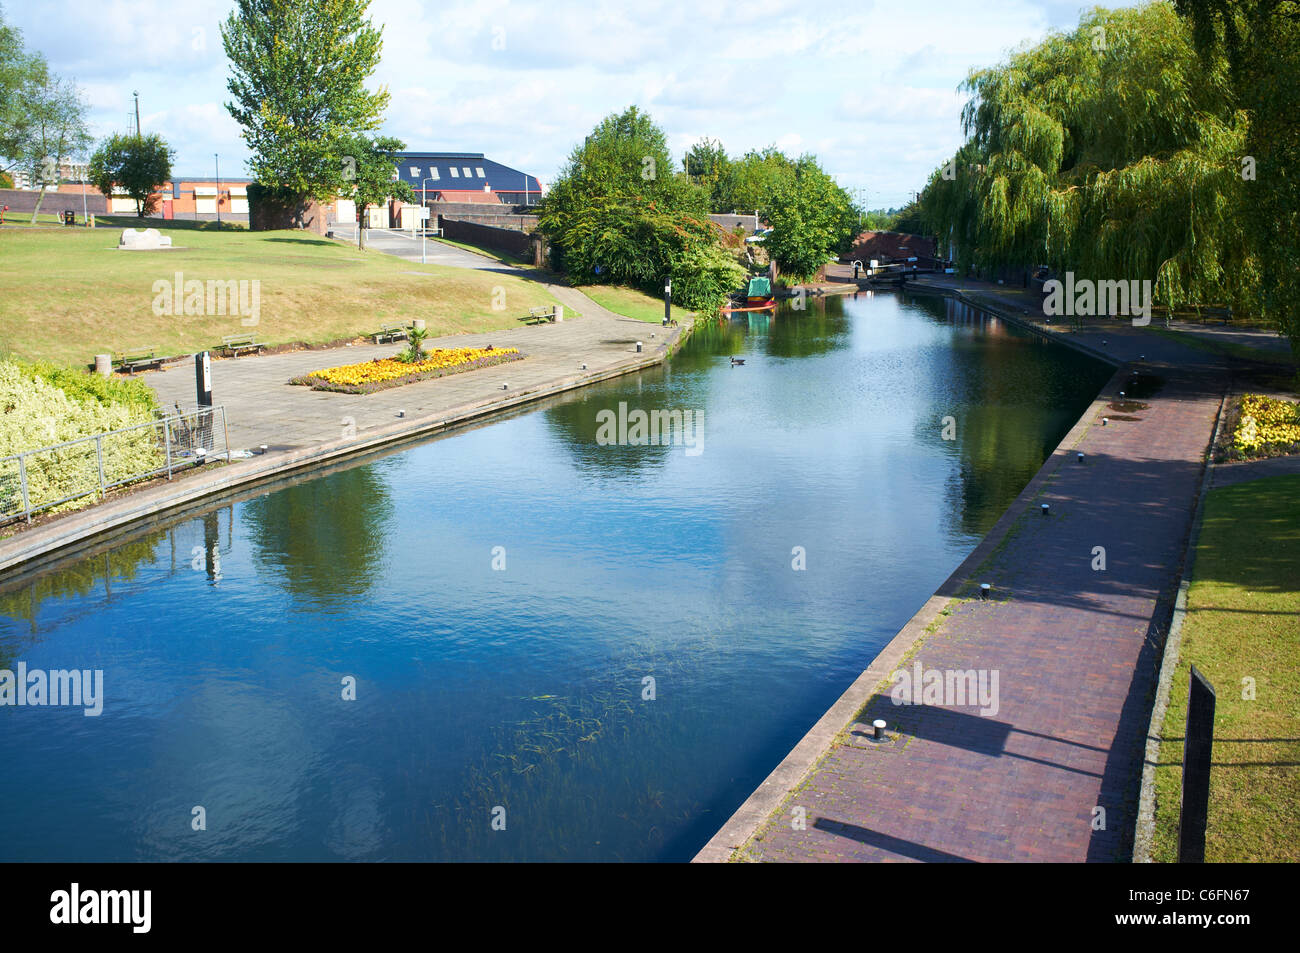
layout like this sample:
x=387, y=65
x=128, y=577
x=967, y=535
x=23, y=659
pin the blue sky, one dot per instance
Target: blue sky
x=872, y=91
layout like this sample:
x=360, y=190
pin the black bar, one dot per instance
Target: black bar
x=1196, y=769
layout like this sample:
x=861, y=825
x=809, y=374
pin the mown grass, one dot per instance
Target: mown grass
x=66, y=295
x=1243, y=622
x=505, y=257
x=171, y=224
x=631, y=302
x=1242, y=352
x=43, y=220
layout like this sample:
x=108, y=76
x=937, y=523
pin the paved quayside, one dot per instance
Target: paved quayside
x=1076, y=651
x=262, y=408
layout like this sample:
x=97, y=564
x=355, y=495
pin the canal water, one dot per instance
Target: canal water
x=523, y=641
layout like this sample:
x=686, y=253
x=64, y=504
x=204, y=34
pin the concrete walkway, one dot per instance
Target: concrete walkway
x=1075, y=648
x=263, y=408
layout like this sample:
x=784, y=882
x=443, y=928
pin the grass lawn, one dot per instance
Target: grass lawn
x=170, y=224
x=66, y=295
x=43, y=219
x=504, y=257
x=631, y=302
x=1243, y=621
x=1242, y=351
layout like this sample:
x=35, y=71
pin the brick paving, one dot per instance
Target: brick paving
x=1076, y=651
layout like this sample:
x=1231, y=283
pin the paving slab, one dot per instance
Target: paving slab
x=263, y=408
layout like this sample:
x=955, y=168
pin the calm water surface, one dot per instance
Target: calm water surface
x=525, y=687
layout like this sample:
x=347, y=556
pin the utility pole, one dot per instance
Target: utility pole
x=136, y=94
x=217, y=159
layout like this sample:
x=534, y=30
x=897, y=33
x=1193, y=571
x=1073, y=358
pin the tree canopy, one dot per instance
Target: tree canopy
x=138, y=164
x=1133, y=148
x=1258, y=42
x=298, y=73
x=368, y=175
x=42, y=115
x=620, y=213
x=812, y=220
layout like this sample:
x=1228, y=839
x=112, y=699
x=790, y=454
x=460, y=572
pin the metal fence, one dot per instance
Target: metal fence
x=41, y=479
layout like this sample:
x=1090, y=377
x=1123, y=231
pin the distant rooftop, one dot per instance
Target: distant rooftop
x=461, y=172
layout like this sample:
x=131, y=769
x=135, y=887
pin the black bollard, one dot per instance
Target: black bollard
x=203, y=387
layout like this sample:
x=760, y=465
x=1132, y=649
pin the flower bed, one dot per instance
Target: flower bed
x=384, y=372
x=1267, y=426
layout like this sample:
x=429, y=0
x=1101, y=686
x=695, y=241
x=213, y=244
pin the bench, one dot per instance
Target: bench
x=392, y=332
x=137, y=358
x=538, y=315
x=232, y=344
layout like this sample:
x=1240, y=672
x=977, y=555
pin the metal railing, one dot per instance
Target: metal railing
x=40, y=479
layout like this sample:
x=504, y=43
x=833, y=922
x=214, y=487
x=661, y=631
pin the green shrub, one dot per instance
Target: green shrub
x=35, y=413
x=82, y=385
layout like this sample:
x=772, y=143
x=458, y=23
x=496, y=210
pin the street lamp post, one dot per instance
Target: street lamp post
x=424, y=203
x=217, y=159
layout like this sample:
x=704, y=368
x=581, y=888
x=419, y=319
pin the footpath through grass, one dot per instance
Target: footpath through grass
x=631, y=302
x=496, y=254
x=66, y=295
x=1243, y=622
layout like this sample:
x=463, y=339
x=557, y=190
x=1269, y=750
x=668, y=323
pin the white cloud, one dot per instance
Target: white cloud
x=870, y=89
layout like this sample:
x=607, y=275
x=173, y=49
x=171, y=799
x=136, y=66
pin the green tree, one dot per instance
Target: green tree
x=879, y=219
x=619, y=213
x=812, y=219
x=20, y=70
x=909, y=219
x=298, y=72
x=138, y=164
x=706, y=164
x=1110, y=151
x=626, y=156
x=751, y=183
x=42, y=116
x=367, y=166
x=1259, y=43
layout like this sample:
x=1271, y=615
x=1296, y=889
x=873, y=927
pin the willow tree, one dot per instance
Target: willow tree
x=1259, y=41
x=1111, y=151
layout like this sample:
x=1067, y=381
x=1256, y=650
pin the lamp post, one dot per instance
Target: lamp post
x=424, y=203
x=217, y=159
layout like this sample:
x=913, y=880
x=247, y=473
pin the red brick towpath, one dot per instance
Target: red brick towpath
x=1076, y=651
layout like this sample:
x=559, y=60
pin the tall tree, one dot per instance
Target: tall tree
x=706, y=164
x=751, y=183
x=138, y=164
x=20, y=70
x=42, y=116
x=1259, y=41
x=1110, y=151
x=812, y=219
x=55, y=131
x=298, y=73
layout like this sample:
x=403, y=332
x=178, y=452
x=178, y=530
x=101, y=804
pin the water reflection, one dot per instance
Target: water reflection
x=325, y=539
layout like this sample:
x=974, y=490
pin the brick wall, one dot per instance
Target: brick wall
x=501, y=239
x=729, y=222
x=23, y=200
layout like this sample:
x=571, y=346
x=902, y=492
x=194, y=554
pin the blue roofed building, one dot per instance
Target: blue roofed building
x=438, y=177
